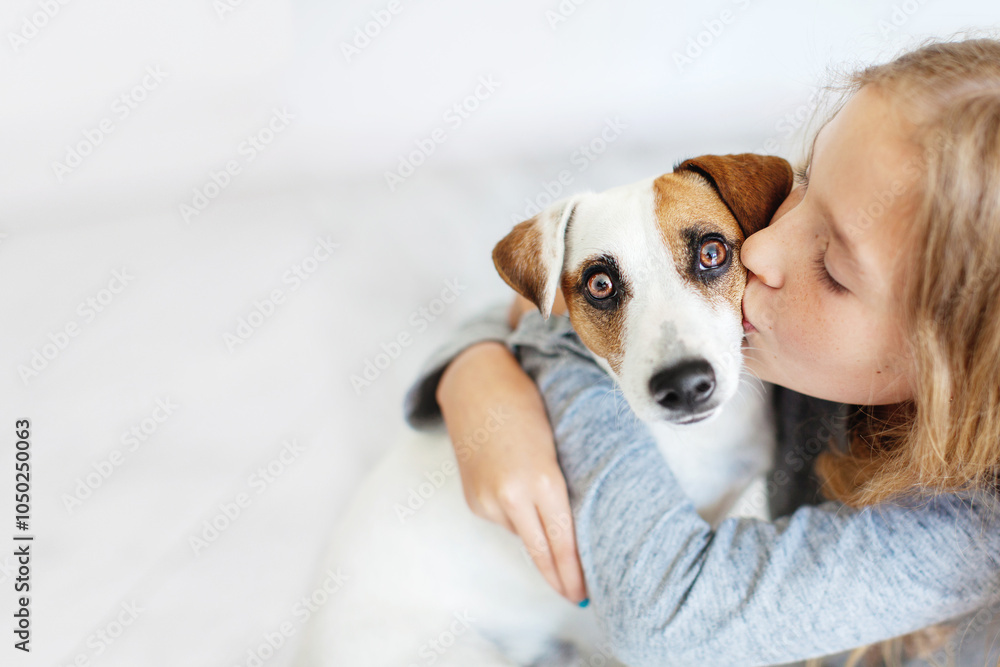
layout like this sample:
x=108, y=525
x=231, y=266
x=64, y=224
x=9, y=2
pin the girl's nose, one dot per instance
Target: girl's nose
x=763, y=252
x=761, y=255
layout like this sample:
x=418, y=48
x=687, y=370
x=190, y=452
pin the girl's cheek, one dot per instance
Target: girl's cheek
x=807, y=332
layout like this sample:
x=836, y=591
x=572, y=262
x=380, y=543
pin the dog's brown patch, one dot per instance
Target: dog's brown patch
x=686, y=202
x=603, y=331
x=752, y=186
x=517, y=258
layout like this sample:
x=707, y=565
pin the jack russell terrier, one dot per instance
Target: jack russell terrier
x=651, y=276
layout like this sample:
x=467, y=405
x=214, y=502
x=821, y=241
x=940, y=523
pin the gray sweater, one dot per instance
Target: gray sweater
x=818, y=579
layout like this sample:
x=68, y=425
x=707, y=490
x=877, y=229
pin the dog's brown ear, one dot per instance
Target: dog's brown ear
x=530, y=257
x=752, y=186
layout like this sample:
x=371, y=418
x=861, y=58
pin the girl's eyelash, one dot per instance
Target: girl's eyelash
x=824, y=275
x=802, y=178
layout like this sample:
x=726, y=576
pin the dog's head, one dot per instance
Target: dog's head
x=652, y=278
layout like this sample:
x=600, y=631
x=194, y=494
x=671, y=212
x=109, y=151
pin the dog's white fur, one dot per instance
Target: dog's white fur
x=666, y=322
x=440, y=586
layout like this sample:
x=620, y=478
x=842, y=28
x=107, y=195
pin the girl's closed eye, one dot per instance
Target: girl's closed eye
x=824, y=274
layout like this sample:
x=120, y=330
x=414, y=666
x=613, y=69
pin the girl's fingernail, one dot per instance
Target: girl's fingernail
x=584, y=602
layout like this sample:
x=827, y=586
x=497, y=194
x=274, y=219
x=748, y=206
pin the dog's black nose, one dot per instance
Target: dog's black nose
x=685, y=386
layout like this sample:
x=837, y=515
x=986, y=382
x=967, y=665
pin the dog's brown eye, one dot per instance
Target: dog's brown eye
x=600, y=286
x=712, y=254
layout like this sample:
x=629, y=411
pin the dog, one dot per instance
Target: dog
x=651, y=277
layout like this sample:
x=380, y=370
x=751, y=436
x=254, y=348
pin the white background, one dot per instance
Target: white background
x=748, y=85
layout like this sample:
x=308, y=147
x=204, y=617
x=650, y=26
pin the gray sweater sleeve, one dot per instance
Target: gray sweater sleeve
x=420, y=407
x=670, y=590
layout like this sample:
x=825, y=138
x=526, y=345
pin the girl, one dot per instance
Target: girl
x=876, y=292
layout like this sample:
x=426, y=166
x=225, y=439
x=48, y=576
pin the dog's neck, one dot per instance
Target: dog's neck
x=738, y=442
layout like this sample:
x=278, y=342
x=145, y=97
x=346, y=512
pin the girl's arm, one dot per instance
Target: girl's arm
x=420, y=406
x=670, y=590
x=503, y=442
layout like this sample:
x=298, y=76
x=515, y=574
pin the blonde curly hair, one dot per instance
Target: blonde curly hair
x=947, y=437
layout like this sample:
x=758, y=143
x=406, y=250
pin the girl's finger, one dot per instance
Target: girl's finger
x=529, y=527
x=557, y=519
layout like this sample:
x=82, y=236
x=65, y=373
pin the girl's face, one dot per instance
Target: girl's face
x=822, y=291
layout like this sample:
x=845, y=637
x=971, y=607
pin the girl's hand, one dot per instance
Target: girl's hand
x=513, y=478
